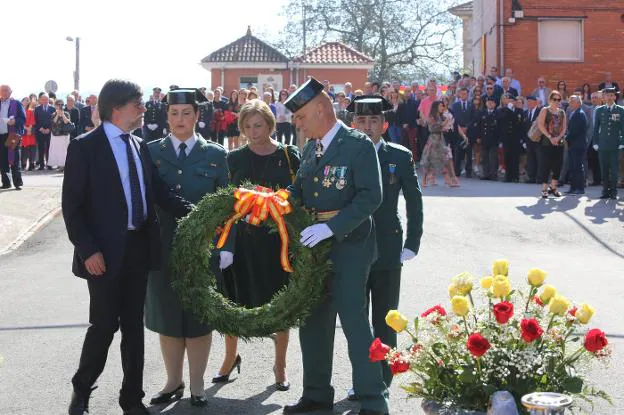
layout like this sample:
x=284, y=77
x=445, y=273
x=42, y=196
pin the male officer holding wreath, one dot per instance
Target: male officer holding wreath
x=339, y=181
x=398, y=172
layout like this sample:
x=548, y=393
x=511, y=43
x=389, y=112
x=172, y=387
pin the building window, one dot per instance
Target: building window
x=247, y=81
x=560, y=40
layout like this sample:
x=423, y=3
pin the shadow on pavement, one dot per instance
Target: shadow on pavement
x=543, y=207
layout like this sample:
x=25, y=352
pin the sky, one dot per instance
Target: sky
x=153, y=43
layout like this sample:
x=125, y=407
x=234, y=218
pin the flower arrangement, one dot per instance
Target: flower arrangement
x=513, y=341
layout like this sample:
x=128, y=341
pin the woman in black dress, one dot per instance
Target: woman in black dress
x=256, y=274
x=232, y=130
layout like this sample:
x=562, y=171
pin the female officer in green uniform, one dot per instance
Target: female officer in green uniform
x=193, y=167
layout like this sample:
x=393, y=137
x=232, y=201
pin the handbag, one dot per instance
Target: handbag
x=68, y=128
x=535, y=134
x=12, y=141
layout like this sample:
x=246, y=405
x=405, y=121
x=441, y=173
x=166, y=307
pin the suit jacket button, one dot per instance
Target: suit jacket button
x=178, y=187
x=396, y=231
x=315, y=179
x=315, y=194
x=179, y=171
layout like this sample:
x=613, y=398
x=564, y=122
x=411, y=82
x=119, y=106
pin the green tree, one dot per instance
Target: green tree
x=407, y=39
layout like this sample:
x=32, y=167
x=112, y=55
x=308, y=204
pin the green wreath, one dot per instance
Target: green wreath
x=195, y=282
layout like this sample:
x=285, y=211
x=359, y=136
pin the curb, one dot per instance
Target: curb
x=35, y=227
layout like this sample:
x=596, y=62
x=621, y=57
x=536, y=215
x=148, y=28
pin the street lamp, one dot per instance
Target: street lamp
x=77, y=71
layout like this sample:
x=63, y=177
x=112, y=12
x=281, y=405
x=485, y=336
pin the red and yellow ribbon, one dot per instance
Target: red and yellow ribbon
x=259, y=203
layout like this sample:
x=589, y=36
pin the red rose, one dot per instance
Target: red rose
x=436, y=308
x=378, y=351
x=399, y=365
x=530, y=330
x=477, y=344
x=503, y=311
x=538, y=300
x=595, y=340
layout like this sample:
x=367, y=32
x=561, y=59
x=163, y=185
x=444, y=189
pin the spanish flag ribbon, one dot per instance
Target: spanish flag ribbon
x=259, y=203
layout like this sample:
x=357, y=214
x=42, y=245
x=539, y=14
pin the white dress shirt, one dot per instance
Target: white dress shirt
x=190, y=143
x=113, y=133
x=329, y=136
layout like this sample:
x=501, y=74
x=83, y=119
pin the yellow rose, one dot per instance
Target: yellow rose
x=486, y=282
x=463, y=283
x=396, y=321
x=500, y=286
x=460, y=305
x=558, y=305
x=500, y=267
x=585, y=313
x=536, y=277
x=548, y=292
x=452, y=290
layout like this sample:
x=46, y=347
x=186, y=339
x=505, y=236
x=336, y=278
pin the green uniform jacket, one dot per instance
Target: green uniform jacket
x=609, y=127
x=398, y=172
x=204, y=170
x=346, y=179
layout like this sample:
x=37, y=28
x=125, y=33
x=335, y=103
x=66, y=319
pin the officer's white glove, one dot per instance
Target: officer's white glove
x=152, y=127
x=201, y=124
x=407, y=254
x=524, y=146
x=225, y=259
x=500, y=145
x=621, y=147
x=596, y=147
x=314, y=234
x=164, y=131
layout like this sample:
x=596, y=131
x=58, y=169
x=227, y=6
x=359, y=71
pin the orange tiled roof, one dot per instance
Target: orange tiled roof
x=246, y=49
x=334, y=53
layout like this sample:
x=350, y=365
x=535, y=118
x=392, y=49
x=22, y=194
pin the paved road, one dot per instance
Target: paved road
x=43, y=308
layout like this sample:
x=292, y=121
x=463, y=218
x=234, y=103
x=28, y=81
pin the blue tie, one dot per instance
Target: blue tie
x=135, y=186
x=182, y=155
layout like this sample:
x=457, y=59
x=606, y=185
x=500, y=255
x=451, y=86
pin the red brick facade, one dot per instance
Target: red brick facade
x=603, y=43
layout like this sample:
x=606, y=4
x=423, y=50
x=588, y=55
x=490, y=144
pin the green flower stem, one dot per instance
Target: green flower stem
x=466, y=326
x=531, y=294
x=552, y=319
x=414, y=339
x=473, y=306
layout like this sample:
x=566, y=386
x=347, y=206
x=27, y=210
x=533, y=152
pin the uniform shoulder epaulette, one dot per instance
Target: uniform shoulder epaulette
x=398, y=148
x=156, y=143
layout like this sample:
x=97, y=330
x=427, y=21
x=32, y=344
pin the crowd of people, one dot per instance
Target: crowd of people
x=476, y=126
x=122, y=240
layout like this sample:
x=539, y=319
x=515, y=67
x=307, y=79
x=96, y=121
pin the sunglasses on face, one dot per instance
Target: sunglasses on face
x=556, y=99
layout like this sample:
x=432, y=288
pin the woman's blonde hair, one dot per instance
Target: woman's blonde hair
x=253, y=107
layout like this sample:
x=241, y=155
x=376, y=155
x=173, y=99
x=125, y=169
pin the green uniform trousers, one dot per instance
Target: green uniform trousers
x=609, y=169
x=382, y=295
x=347, y=300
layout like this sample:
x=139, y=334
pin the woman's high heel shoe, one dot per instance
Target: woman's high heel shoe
x=280, y=386
x=166, y=397
x=226, y=378
x=199, y=400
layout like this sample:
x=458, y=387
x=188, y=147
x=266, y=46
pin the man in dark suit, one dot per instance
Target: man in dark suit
x=577, y=129
x=109, y=191
x=464, y=113
x=398, y=175
x=507, y=88
x=12, y=119
x=509, y=125
x=608, y=83
x=43, y=128
x=530, y=115
x=411, y=116
x=86, y=122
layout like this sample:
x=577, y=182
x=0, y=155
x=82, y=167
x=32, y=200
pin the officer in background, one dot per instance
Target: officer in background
x=489, y=139
x=206, y=111
x=339, y=181
x=608, y=140
x=509, y=125
x=155, y=117
x=398, y=172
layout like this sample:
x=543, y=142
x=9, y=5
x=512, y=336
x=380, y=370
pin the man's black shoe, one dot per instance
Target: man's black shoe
x=40, y=168
x=307, y=405
x=351, y=396
x=137, y=410
x=79, y=405
x=613, y=197
x=371, y=412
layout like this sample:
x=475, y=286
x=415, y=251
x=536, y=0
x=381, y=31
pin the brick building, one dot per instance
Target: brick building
x=250, y=61
x=572, y=40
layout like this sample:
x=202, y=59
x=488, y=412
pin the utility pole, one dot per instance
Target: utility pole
x=77, y=69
